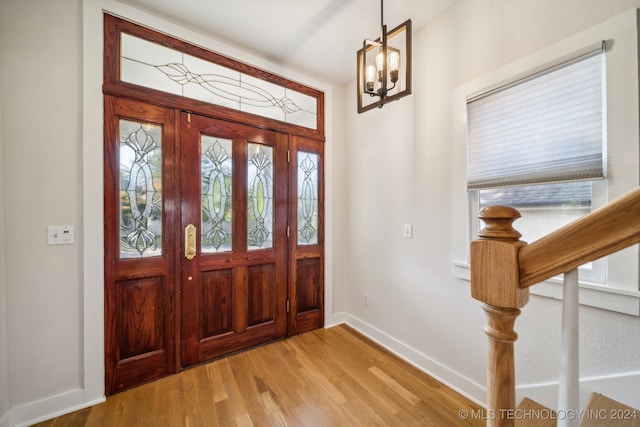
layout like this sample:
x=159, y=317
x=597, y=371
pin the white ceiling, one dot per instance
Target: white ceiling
x=320, y=37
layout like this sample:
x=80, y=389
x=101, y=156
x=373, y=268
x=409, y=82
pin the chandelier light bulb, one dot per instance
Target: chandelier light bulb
x=394, y=65
x=379, y=64
x=370, y=77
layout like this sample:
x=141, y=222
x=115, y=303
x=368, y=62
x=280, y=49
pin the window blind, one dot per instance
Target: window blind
x=547, y=127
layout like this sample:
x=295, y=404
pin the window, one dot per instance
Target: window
x=545, y=127
x=158, y=68
x=554, y=163
x=152, y=65
x=537, y=143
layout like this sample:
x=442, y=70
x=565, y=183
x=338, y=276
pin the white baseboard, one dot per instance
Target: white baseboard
x=334, y=320
x=462, y=385
x=47, y=408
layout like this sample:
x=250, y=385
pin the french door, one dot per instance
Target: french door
x=200, y=256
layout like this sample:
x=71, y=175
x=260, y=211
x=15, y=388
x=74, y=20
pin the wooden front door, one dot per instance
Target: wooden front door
x=214, y=228
x=213, y=239
x=234, y=195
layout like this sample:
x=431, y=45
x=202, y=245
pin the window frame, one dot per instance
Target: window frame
x=621, y=291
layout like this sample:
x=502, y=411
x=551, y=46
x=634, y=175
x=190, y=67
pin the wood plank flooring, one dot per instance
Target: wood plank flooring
x=327, y=377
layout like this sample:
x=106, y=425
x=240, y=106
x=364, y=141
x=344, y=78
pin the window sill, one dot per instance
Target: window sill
x=593, y=295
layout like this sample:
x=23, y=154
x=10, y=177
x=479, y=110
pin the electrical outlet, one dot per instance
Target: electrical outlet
x=365, y=300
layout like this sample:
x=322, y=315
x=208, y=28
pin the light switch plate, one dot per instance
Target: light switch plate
x=407, y=231
x=60, y=235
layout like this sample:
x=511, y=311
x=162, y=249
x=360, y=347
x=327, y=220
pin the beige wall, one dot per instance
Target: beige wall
x=401, y=170
x=384, y=168
x=41, y=142
x=4, y=366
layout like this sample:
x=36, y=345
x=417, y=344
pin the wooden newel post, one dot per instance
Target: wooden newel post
x=495, y=281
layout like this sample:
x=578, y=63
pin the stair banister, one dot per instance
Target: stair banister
x=604, y=231
x=495, y=281
x=569, y=375
x=503, y=268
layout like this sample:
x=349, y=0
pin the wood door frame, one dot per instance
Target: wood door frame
x=113, y=86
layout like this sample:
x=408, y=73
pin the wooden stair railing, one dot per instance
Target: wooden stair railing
x=503, y=268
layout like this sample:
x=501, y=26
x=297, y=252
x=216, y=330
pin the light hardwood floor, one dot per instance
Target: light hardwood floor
x=327, y=377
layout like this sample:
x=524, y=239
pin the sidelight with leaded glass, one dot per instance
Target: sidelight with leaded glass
x=140, y=186
x=307, y=198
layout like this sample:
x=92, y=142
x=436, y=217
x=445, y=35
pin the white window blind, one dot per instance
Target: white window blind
x=546, y=127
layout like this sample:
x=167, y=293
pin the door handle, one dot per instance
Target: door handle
x=190, y=241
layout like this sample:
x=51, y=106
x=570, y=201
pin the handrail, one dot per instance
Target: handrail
x=503, y=268
x=604, y=231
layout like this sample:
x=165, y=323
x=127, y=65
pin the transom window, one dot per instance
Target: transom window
x=149, y=64
x=157, y=68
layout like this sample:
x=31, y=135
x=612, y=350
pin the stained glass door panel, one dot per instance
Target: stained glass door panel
x=216, y=219
x=234, y=289
x=140, y=156
x=308, y=180
x=260, y=196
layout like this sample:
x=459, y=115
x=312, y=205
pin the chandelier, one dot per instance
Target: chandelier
x=384, y=66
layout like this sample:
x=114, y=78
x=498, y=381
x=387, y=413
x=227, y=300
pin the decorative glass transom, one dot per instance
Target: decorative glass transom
x=151, y=65
x=216, y=164
x=307, y=198
x=260, y=197
x=140, y=190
